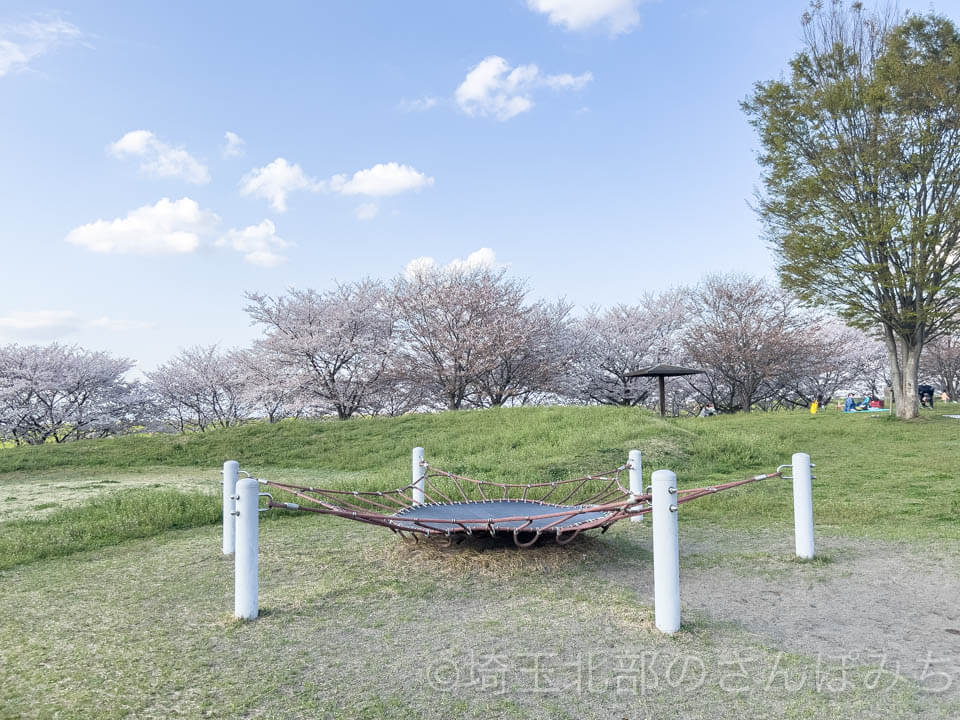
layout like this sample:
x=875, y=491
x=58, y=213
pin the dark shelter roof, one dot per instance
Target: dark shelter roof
x=663, y=371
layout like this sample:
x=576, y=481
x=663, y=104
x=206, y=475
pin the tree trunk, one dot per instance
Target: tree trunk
x=904, y=360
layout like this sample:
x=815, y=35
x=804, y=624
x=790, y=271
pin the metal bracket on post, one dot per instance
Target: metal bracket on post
x=636, y=478
x=666, y=553
x=231, y=470
x=419, y=476
x=264, y=494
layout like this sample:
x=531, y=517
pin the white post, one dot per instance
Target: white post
x=636, y=478
x=666, y=552
x=419, y=476
x=231, y=471
x=246, y=562
x=802, y=505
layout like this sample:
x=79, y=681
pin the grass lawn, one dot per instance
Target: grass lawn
x=118, y=604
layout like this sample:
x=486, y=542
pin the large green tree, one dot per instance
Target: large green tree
x=861, y=182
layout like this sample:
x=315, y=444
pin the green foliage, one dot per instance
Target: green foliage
x=861, y=162
x=107, y=520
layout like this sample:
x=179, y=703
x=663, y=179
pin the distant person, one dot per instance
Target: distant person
x=708, y=411
x=849, y=405
x=944, y=397
x=926, y=396
x=864, y=404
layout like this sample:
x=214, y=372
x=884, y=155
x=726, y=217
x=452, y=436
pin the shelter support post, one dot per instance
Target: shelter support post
x=636, y=478
x=247, y=559
x=231, y=471
x=419, y=476
x=666, y=552
x=663, y=395
x=802, y=505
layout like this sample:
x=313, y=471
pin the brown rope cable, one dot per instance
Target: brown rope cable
x=611, y=509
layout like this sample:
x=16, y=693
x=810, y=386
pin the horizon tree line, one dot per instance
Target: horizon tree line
x=456, y=338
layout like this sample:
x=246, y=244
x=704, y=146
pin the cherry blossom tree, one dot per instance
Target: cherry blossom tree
x=455, y=326
x=336, y=344
x=201, y=387
x=609, y=344
x=61, y=392
x=745, y=333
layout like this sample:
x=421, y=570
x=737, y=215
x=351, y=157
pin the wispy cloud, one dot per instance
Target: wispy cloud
x=159, y=159
x=366, y=211
x=492, y=87
x=20, y=43
x=234, y=145
x=33, y=324
x=419, y=105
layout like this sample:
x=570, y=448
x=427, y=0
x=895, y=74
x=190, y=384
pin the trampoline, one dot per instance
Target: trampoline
x=448, y=506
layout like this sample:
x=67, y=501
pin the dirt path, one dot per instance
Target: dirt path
x=867, y=602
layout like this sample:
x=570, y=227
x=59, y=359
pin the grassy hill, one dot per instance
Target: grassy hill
x=875, y=476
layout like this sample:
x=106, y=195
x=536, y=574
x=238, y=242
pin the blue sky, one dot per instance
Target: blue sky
x=595, y=146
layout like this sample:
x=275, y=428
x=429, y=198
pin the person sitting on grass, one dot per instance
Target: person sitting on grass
x=864, y=404
x=708, y=411
x=850, y=405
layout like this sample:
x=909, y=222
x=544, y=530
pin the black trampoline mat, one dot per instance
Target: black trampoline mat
x=490, y=510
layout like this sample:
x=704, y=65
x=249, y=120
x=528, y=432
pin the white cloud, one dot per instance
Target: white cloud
x=32, y=320
x=619, y=16
x=419, y=105
x=381, y=179
x=366, y=211
x=484, y=258
x=492, y=87
x=166, y=227
x=258, y=243
x=32, y=324
x=566, y=81
x=277, y=180
x=235, y=145
x=159, y=159
x=21, y=43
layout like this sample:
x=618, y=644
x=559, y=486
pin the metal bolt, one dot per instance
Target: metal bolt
x=673, y=508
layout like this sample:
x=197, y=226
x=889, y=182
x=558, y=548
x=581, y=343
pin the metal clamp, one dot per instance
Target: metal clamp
x=260, y=495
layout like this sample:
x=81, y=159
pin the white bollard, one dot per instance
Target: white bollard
x=636, y=478
x=802, y=505
x=666, y=552
x=231, y=471
x=247, y=559
x=419, y=476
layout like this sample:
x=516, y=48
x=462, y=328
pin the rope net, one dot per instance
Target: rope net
x=455, y=506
